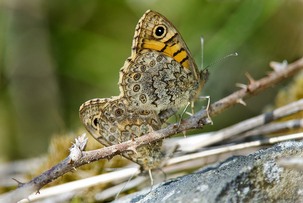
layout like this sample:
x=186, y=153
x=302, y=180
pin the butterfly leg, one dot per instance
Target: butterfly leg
x=151, y=178
x=209, y=120
x=184, y=112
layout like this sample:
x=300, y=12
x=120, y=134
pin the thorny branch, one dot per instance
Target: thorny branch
x=254, y=122
x=197, y=120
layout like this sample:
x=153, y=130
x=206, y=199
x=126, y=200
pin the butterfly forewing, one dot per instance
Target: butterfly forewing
x=161, y=74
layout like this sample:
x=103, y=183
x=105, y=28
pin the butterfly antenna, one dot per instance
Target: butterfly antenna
x=202, y=52
x=222, y=59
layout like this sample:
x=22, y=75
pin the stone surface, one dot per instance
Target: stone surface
x=253, y=178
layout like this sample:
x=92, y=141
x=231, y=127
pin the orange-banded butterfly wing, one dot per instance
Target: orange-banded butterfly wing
x=155, y=32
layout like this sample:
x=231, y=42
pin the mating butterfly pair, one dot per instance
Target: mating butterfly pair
x=157, y=79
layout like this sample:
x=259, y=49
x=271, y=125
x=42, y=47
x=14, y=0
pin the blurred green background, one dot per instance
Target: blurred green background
x=55, y=55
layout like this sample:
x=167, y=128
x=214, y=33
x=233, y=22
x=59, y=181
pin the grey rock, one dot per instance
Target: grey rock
x=253, y=178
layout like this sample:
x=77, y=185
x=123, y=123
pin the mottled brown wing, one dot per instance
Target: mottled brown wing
x=110, y=122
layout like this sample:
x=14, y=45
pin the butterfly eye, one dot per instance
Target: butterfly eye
x=159, y=31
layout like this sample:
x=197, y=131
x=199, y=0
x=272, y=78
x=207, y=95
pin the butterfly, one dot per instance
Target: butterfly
x=160, y=74
x=110, y=122
x=157, y=79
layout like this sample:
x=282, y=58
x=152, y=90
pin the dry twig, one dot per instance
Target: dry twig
x=251, y=123
x=174, y=165
x=275, y=128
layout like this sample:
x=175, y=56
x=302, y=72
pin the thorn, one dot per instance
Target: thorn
x=241, y=101
x=242, y=86
x=81, y=141
x=250, y=78
x=75, y=153
x=278, y=67
x=20, y=184
x=70, y=162
x=77, y=148
x=109, y=157
x=133, y=149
